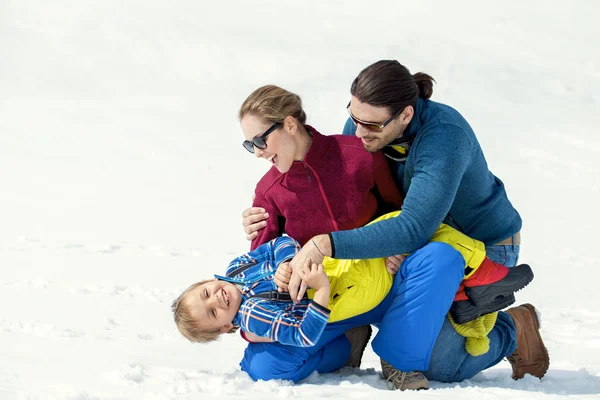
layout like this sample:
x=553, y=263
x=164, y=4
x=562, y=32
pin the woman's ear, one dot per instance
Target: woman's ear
x=290, y=124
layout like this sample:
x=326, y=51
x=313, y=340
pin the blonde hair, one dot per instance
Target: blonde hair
x=272, y=104
x=187, y=325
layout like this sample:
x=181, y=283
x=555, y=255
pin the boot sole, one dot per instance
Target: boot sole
x=482, y=295
x=469, y=312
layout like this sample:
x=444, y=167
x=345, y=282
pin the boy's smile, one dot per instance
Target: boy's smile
x=214, y=305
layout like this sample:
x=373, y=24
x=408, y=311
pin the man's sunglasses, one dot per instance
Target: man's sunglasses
x=371, y=126
x=260, y=141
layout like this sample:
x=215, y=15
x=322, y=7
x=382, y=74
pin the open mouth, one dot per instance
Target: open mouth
x=271, y=158
x=225, y=297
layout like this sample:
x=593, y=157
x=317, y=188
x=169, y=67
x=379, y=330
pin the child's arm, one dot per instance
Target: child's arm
x=266, y=319
x=276, y=251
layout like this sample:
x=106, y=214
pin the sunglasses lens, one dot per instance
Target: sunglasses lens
x=369, y=127
x=260, y=143
x=372, y=127
x=248, y=146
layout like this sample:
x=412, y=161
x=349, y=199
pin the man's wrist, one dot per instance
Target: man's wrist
x=323, y=243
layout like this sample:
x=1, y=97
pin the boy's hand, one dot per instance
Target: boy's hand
x=314, y=275
x=282, y=276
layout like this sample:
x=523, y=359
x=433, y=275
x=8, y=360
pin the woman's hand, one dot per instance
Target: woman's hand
x=392, y=263
x=253, y=220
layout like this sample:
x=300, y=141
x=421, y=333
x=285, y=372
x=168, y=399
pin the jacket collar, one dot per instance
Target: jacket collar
x=318, y=150
x=415, y=124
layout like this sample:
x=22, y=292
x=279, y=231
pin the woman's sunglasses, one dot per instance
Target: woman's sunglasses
x=371, y=126
x=260, y=141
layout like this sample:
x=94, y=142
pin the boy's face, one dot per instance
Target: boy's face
x=214, y=305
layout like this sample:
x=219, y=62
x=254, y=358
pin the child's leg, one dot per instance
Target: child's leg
x=491, y=288
x=268, y=361
x=423, y=292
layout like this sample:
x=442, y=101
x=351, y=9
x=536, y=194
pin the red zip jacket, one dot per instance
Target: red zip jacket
x=312, y=198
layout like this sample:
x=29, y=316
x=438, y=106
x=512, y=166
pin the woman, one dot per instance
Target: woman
x=329, y=178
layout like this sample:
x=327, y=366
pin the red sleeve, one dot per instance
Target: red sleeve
x=385, y=182
x=271, y=231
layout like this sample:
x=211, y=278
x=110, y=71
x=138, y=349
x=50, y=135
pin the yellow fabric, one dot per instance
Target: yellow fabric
x=476, y=332
x=473, y=251
x=358, y=286
x=399, y=149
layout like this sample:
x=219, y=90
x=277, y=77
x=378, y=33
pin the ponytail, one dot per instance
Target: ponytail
x=425, y=84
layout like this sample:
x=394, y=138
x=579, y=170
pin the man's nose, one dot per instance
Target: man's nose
x=361, y=131
x=258, y=152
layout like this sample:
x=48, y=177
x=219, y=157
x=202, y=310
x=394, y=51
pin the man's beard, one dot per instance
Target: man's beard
x=376, y=145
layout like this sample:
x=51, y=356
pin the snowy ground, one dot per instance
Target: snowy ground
x=122, y=178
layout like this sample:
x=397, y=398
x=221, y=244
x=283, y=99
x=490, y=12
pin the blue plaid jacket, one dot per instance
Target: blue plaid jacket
x=283, y=321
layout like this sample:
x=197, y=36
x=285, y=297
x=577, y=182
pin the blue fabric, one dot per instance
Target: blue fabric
x=409, y=321
x=445, y=179
x=450, y=362
x=505, y=255
x=294, y=324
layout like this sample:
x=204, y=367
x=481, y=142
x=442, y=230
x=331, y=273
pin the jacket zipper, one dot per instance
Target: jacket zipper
x=329, y=211
x=306, y=168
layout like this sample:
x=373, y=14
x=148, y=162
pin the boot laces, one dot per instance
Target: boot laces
x=396, y=376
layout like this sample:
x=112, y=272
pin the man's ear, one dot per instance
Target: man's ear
x=406, y=115
x=226, y=328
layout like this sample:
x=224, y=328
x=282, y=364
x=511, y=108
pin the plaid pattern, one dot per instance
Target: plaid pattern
x=293, y=324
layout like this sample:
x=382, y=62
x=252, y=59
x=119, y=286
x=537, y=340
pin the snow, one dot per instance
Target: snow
x=122, y=177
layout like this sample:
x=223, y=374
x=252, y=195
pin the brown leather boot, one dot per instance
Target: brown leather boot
x=531, y=356
x=358, y=338
x=403, y=380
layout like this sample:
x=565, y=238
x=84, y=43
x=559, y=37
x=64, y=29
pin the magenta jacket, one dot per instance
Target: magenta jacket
x=338, y=186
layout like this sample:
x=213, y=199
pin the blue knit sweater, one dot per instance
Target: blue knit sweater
x=445, y=179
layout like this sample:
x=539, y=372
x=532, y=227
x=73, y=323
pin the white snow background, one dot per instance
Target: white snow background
x=123, y=178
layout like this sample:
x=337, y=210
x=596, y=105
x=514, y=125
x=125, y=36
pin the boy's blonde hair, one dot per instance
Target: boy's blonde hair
x=186, y=324
x=272, y=104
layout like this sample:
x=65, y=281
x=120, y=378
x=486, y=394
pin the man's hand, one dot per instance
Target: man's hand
x=282, y=276
x=253, y=220
x=311, y=253
x=392, y=263
x=314, y=276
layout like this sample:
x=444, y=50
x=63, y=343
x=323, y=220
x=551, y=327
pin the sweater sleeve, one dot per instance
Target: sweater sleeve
x=384, y=181
x=264, y=319
x=444, y=153
x=284, y=249
x=272, y=230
